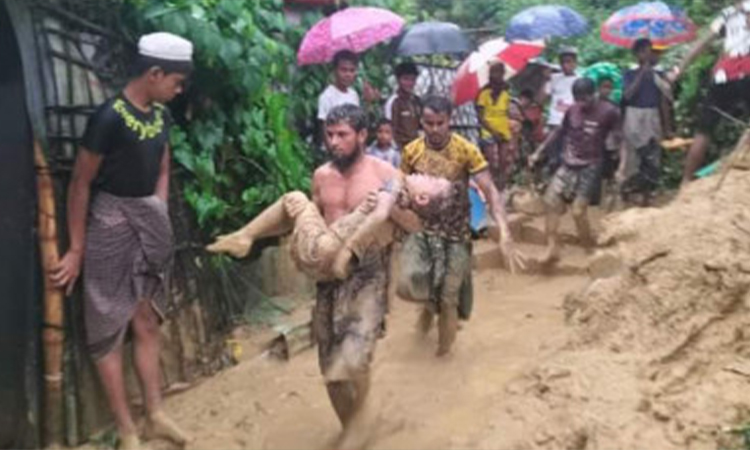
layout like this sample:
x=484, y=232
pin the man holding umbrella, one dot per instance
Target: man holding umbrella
x=644, y=124
x=731, y=77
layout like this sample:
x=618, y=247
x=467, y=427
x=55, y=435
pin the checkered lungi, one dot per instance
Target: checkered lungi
x=128, y=251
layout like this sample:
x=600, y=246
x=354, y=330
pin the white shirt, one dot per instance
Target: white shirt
x=732, y=24
x=388, y=108
x=333, y=97
x=560, y=89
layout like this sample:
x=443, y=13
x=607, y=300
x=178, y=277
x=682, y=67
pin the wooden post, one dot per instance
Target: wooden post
x=740, y=152
x=53, y=332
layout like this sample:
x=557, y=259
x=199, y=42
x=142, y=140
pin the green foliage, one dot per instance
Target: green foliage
x=488, y=18
x=238, y=149
x=253, y=114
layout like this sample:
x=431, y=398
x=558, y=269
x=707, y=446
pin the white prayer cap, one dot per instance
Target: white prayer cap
x=166, y=46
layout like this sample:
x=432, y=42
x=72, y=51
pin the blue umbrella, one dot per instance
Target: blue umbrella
x=541, y=22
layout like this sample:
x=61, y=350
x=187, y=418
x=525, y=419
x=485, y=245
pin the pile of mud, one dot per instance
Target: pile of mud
x=660, y=353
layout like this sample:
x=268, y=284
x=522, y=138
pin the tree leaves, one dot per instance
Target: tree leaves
x=239, y=151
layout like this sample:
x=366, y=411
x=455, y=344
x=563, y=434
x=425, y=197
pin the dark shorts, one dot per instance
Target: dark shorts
x=732, y=98
x=436, y=271
x=573, y=183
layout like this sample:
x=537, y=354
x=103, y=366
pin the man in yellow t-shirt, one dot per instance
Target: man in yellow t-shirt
x=493, y=105
x=436, y=263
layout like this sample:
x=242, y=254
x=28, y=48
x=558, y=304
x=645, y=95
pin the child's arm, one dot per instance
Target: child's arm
x=362, y=239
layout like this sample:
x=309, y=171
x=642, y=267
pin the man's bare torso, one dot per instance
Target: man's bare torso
x=337, y=194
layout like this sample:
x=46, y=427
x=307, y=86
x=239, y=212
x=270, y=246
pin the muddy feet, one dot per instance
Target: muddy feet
x=130, y=441
x=341, y=266
x=550, y=258
x=158, y=425
x=424, y=323
x=235, y=244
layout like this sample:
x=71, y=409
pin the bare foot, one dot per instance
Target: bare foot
x=551, y=257
x=131, y=442
x=424, y=323
x=342, y=264
x=235, y=244
x=159, y=425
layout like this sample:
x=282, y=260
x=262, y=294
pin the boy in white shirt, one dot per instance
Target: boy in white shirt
x=340, y=92
x=559, y=88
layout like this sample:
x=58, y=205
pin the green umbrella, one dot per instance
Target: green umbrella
x=606, y=71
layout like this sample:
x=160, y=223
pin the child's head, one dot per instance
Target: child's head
x=384, y=133
x=406, y=76
x=345, y=66
x=526, y=98
x=428, y=195
x=606, y=86
x=568, y=60
x=642, y=50
x=163, y=63
x=584, y=92
x=497, y=75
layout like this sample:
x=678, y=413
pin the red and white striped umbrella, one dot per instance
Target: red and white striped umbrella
x=474, y=73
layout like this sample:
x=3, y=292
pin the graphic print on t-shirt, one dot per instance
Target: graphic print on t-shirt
x=131, y=142
x=733, y=24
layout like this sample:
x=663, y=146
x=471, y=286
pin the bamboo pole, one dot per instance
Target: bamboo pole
x=53, y=333
x=740, y=152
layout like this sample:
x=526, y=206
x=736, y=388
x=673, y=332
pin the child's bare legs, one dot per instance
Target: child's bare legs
x=276, y=220
x=377, y=209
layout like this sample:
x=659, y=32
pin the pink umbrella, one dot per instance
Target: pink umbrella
x=355, y=29
x=474, y=72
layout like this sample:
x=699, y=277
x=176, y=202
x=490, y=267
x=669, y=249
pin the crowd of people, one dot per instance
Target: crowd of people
x=410, y=184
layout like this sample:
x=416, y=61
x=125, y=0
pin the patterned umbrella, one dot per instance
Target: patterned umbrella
x=606, y=71
x=663, y=24
x=542, y=22
x=474, y=72
x=355, y=29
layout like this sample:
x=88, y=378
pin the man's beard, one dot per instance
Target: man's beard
x=342, y=163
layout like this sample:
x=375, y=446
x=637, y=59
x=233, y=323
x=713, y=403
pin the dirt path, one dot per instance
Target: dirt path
x=418, y=401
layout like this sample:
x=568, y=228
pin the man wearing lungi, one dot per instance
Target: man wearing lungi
x=436, y=263
x=349, y=314
x=120, y=232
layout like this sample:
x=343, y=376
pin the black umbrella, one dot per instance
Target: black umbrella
x=433, y=38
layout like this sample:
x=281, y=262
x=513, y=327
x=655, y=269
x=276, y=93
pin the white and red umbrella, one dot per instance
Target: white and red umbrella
x=474, y=72
x=356, y=29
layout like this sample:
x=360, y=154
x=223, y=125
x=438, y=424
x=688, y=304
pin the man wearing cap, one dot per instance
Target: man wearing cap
x=119, y=229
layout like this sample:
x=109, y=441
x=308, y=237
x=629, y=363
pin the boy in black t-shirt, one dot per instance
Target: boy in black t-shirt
x=120, y=231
